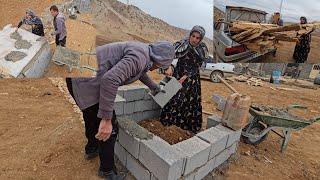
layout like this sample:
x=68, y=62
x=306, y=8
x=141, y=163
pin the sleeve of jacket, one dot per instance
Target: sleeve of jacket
x=145, y=79
x=60, y=22
x=112, y=79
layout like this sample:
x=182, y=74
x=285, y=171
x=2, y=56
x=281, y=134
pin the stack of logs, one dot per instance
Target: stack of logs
x=263, y=37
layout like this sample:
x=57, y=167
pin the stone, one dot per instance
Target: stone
x=121, y=153
x=213, y=121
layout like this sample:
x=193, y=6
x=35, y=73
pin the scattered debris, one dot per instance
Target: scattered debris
x=15, y=56
x=267, y=160
x=254, y=82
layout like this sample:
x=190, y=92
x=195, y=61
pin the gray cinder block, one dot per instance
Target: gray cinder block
x=205, y=170
x=128, y=108
x=137, y=169
x=217, y=137
x=119, y=105
x=197, y=153
x=130, y=143
x=220, y=101
x=132, y=93
x=143, y=105
x=121, y=153
x=163, y=161
x=172, y=86
x=213, y=121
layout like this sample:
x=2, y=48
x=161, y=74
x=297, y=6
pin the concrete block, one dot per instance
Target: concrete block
x=143, y=105
x=155, y=106
x=153, y=177
x=189, y=176
x=130, y=143
x=121, y=153
x=147, y=96
x=196, y=151
x=137, y=169
x=220, y=101
x=128, y=108
x=119, y=105
x=233, y=148
x=205, y=170
x=234, y=137
x=155, y=114
x=222, y=157
x=172, y=86
x=217, y=137
x=133, y=93
x=213, y=121
x=163, y=161
x=137, y=116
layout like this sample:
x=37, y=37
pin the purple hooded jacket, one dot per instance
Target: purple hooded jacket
x=120, y=64
x=60, y=26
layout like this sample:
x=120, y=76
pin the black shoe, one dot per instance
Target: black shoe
x=111, y=175
x=89, y=156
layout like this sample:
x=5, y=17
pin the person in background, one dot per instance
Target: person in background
x=302, y=48
x=119, y=64
x=184, y=109
x=34, y=21
x=276, y=19
x=59, y=24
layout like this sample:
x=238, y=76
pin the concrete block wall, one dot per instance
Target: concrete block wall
x=148, y=156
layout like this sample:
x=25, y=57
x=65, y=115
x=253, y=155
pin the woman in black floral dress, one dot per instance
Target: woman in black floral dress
x=302, y=48
x=184, y=109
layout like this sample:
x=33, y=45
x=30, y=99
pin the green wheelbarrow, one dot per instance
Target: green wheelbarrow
x=263, y=122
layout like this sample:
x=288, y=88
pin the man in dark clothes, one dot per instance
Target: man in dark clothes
x=119, y=64
x=59, y=26
x=302, y=48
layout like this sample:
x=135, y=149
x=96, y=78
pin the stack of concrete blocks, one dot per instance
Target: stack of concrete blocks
x=135, y=103
x=148, y=156
x=36, y=57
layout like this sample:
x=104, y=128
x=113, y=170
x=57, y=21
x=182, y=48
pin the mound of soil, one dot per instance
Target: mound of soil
x=172, y=134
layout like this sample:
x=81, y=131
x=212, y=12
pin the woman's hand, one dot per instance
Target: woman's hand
x=169, y=71
x=181, y=80
x=105, y=130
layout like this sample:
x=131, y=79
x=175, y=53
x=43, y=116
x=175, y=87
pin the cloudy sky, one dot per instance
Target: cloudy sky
x=291, y=10
x=180, y=13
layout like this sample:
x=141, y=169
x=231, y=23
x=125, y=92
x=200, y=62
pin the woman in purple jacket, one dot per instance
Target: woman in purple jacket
x=119, y=64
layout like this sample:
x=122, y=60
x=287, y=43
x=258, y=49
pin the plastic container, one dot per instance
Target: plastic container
x=236, y=112
x=276, y=77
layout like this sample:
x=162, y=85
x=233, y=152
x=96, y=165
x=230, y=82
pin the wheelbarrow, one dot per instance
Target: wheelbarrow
x=262, y=123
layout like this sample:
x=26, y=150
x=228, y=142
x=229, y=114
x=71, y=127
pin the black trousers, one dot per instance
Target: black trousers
x=62, y=42
x=92, y=122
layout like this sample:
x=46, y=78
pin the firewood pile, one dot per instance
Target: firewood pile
x=263, y=37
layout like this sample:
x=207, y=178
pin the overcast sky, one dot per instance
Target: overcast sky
x=180, y=13
x=291, y=9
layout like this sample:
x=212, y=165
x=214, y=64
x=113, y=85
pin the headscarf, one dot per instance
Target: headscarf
x=198, y=29
x=162, y=53
x=183, y=47
x=305, y=19
x=34, y=20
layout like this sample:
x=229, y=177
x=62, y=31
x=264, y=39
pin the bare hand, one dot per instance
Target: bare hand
x=105, y=130
x=169, y=71
x=181, y=80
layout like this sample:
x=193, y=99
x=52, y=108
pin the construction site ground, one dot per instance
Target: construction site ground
x=42, y=137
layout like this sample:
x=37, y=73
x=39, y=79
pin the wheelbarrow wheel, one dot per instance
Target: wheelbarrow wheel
x=256, y=129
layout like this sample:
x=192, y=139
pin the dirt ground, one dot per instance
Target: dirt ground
x=171, y=134
x=41, y=137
